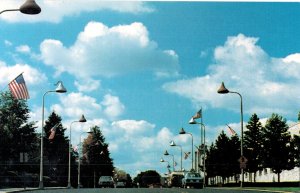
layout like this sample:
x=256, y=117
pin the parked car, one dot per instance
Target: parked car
x=192, y=179
x=175, y=179
x=106, y=181
x=120, y=184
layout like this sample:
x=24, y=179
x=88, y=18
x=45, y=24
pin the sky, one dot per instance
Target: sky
x=141, y=70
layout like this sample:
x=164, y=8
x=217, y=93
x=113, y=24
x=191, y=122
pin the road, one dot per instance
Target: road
x=143, y=190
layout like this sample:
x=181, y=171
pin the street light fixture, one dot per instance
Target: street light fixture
x=167, y=154
x=224, y=90
x=173, y=144
x=59, y=89
x=168, y=166
x=81, y=120
x=182, y=132
x=29, y=7
x=89, y=132
x=193, y=121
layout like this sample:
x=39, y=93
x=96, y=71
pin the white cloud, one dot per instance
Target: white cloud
x=23, y=49
x=70, y=8
x=87, y=85
x=103, y=51
x=131, y=127
x=112, y=106
x=266, y=84
x=31, y=75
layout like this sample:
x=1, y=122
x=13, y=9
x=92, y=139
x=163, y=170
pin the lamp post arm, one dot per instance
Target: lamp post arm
x=9, y=10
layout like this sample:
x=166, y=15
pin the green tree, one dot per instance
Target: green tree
x=253, y=140
x=56, y=151
x=223, y=161
x=211, y=161
x=234, y=154
x=17, y=135
x=144, y=179
x=276, y=145
x=96, y=160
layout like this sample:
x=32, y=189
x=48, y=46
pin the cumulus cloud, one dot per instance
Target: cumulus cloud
x=23, y=49
x=70, y=9
x=112, y=106
x=267, y=84
x=103, y=51
x=31, y=75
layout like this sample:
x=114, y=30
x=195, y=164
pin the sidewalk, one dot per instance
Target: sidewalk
x=7, y=190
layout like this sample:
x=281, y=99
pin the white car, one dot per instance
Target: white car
x=106, y=181
x=192, y=179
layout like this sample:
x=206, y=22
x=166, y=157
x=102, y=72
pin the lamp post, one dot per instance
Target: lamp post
x=167, y=154
x=192, y=121
x=173, y=144
x=78, y=180
x=81, y=120
x=59, y=89
x=168, y=166
x=29, y=7
x=224, y=90
x=182, y=132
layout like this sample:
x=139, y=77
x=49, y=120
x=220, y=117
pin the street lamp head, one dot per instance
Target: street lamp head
x=172, y=143
x=162, y=160
x=223, y=89
x=182, y=131
x=82, y=119
x=90, y=131
x=60, y=87
x=30, y=7
x=192, y=121
x=166, y=153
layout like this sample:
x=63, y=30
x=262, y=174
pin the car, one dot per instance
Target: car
x=120, y=184
x=175, y=179
x=192, y=179
x=106, y=181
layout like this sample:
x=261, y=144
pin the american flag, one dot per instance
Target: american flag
x=231, y=131
x=53, y=131
x=198, y=114
x=18, y=88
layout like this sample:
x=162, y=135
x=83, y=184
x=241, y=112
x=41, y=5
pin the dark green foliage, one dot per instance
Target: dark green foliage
x=276, y=145
x=56, y=151
x=149, y=177
x=253, y=139
x=96, y=161
x=17, y=136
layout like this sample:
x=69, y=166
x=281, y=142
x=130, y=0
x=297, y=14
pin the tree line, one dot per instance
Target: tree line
x=20, y=150
x=270, y=146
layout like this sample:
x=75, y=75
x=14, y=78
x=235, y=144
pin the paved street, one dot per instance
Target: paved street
x=143, y=190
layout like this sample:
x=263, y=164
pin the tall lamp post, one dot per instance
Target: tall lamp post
x=81, y=120
x=193, y=121
x=80, y=151
x=59, y=89
x=167, y=154
x=173, y=144
x=182, y=132
x=168, y=166
x=29, y=7
x=224, y=90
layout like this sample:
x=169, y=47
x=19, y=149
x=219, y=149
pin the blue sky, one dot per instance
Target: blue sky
x=140, y=70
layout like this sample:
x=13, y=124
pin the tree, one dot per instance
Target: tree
x=234, y=154
x=276, y=144
x=144, y=179
x=96, y=160
x=223, y=163
x=56, y=151
x=17, y=135
x=253, y=145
